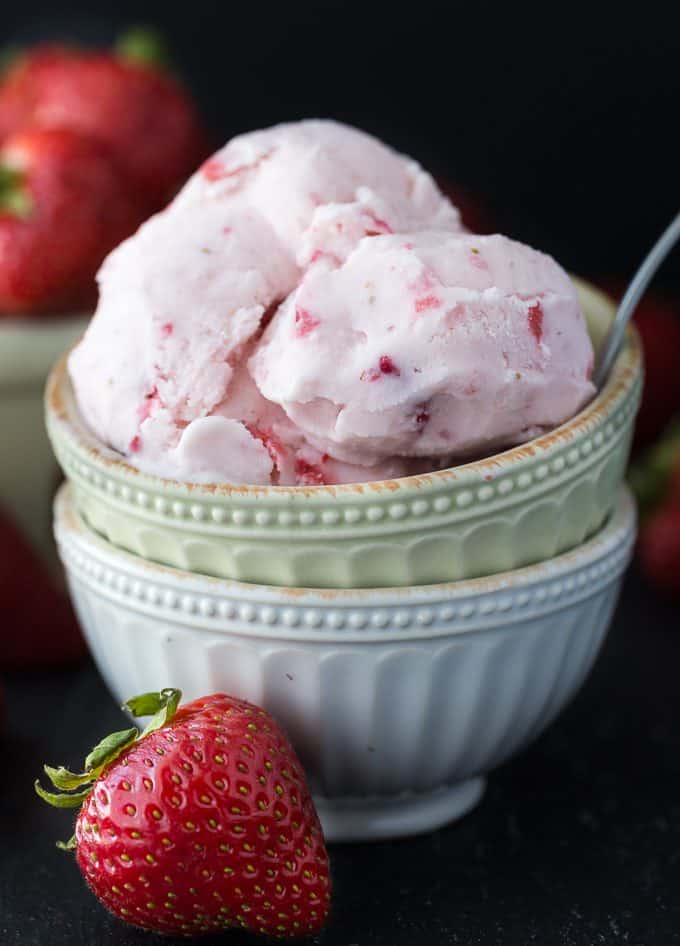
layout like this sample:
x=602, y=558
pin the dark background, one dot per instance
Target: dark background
x=560, y=122
x=561, y=117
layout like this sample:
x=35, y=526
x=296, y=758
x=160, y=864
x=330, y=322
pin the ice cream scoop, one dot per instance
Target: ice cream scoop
x=431, y=345
x=309, y=310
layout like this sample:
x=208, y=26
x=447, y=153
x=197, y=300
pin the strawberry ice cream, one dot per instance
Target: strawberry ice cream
x=309, y=310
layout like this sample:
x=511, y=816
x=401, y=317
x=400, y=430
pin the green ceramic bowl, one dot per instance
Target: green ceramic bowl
x=28, y=473
x=515, y=508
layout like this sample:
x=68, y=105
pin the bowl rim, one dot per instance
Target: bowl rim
x=266, y=609
x=65, y=423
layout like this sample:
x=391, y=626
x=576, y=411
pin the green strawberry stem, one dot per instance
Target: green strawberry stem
x=74, y=787
x=143, y=46
x=14, y=197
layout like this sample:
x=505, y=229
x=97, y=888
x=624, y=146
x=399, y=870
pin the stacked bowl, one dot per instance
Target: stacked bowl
x=409, y=634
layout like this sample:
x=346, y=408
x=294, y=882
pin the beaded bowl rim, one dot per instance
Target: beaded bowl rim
x=66, y=426
x=225, y=605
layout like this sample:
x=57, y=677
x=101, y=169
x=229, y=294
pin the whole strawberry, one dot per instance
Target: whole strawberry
x=146, y=119
x=660, y=547
x=64, y=204
x=202, y=822
x=658, y=322
x=38, y=627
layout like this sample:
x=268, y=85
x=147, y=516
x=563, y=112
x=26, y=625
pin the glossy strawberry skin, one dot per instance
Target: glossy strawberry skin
x=207, y=824
x=141, y=113
x=78, y=209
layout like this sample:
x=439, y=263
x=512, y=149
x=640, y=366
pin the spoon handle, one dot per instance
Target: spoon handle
x=638, y=284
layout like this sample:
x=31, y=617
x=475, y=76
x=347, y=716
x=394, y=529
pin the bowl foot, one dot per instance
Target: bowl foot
x=375, y=819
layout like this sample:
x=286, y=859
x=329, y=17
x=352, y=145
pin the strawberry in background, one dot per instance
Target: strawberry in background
x=657, y=319
x=92, y=143
x=63, y=206
x=123, y=98
x=655, y=479
x=658, y=322
x=37, y=627
x=655, y=473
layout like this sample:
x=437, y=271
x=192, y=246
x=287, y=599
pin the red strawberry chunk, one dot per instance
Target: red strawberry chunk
x=212, y=169
x=145, y=408
x=387, y=366
x=427, y=302
x=378, y=226
x=422, y=417
x=273, y=444
x=309, y=474
x=535, y=315
x=305, y=322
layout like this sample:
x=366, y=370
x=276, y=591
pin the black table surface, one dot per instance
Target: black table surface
x=576, y=843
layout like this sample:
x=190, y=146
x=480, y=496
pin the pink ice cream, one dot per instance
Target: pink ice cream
x=309, y=310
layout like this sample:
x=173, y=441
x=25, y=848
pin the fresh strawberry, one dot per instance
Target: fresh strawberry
x=147, y=120
x=657, y=319
x=660, y=547
x=38, y=627
x=655, y=475
x=658, y=322
x=63, y=206
x=202, y=822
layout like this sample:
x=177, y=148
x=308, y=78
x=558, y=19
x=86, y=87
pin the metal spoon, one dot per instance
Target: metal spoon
x=614, y=337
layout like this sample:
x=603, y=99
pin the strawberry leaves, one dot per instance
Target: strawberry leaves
x=14, y=197
x=161, y=706
x=61, y=800
x=74, y=787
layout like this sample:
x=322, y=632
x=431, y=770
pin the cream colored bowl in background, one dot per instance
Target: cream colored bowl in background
x=514, y=508
x=28, y=473
x=398, y=700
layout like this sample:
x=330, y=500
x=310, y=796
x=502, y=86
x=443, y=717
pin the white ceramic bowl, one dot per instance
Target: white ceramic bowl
x=397, y=700
x=28, y=472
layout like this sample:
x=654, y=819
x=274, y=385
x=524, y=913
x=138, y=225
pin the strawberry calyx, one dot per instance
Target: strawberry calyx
x=9, y=56
x=74, y=787
x=143, y=46
x=14, y=196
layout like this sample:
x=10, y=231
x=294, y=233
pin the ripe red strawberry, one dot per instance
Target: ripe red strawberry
x=658, y=322
x=660, y=547
x=147, y=120
x=64, y=205
x=37, y=627
x=657, y=319
x=201, y=823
